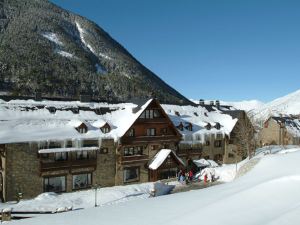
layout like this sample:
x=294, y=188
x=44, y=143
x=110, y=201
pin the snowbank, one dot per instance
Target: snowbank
x=265, y=195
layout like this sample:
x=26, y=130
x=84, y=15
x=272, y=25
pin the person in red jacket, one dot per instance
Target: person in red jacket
x=190, y=175
x=205, y=178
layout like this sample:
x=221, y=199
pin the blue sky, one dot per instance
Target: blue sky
x=216, y=49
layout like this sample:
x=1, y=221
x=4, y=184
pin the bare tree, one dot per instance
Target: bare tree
x=244, y=134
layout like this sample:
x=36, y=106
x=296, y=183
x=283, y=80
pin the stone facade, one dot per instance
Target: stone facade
x=275, y=132
x=23, y=171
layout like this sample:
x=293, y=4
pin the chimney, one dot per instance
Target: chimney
x=218, y=104
x=211, y=103
x=201, y=102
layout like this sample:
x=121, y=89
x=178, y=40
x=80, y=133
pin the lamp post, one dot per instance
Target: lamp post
x=96, y=186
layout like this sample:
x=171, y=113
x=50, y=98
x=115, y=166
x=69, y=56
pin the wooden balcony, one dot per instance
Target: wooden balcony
x=68, y=164
x=187, y=152
x=147, y=139
x=127, y=160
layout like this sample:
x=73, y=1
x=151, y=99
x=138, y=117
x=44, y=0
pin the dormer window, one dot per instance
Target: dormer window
x=180, y=126
x=218, y=126
x=208, y=126
x=189, y=127
x=105, y=130
x=82, y=130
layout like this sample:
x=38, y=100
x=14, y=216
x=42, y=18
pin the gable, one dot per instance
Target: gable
x=154, y=114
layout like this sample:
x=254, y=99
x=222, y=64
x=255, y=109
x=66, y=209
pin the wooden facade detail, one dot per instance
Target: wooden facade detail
x=169, y=168
x=164, y=128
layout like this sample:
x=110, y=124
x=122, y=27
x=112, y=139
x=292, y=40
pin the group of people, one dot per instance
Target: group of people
x=207, y=175
x=185, y=177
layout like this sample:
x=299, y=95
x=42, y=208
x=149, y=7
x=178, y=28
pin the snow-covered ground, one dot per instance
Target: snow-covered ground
x=51, y=202
x=268, y=194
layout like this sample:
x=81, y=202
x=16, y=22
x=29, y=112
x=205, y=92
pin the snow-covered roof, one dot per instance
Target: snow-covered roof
x=76, y=123
x=99, y=123
x=292, y=124
x=199, y=117
x=160, y=157
x=29, y=120
x=55, y=150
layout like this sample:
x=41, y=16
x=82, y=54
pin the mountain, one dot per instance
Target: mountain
x=48, y=50
x=289, y=104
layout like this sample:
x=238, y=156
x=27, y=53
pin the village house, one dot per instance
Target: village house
x=280, y=130
x=49, y=146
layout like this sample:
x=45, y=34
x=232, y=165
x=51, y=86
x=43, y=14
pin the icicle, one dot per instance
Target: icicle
x=100, y=142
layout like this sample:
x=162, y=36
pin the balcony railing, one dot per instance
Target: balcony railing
x=68, y=164
x=139, y=139
x=134, y=159
x=153, y=120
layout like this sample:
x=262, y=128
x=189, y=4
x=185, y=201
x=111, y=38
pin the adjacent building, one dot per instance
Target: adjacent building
x=280, y=130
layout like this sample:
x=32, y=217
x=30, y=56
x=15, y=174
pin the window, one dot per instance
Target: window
x=103, y=150
x=266, y=125
x=82, y=155
x=131, y=132
x=230, y=155
x=218, y=144
x=81, y=181
x=218, y=126
x=156, y=113
x=189, y=127
x=61, y=156
x=55, y=184
x=151, y=132
x=219, y=136
x=131, y=174
x=164, y=131
x=207, y=143
x=105, y=130
x=150, y=114
x=82, y=130
x=137, y=150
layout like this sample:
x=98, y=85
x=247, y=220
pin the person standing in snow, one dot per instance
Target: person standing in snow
x=205, y=178
x=190, y=175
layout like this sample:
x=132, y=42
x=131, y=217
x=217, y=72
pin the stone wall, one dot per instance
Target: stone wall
x=106, y=165
x=22, y=172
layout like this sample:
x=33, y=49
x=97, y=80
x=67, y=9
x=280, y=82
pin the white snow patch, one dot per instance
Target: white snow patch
x=52, y=37
x=82, y=32
x=65, y=54
x=100, y=69
x=105, y=56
